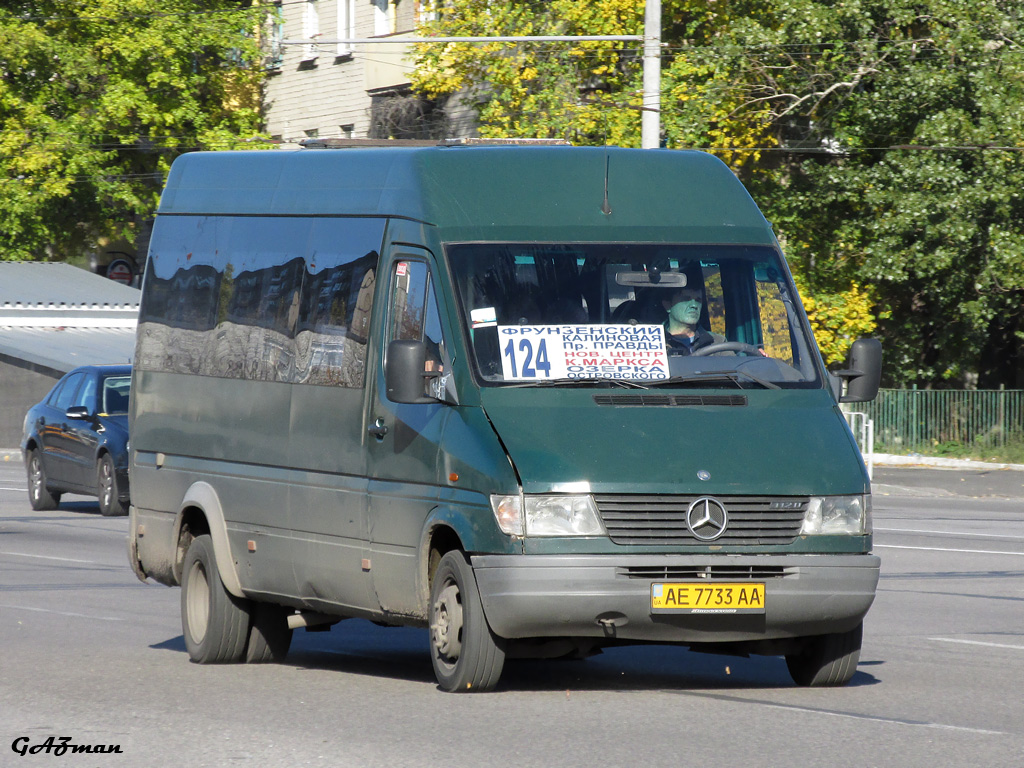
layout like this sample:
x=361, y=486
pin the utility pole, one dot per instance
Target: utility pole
x=650, y=115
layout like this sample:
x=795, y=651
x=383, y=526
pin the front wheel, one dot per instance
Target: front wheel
x=106, y=488
x=214, y=622
x=827, y=660
x=40, y=498
x=466, y=655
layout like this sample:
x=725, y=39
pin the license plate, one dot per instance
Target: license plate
x=707, y=597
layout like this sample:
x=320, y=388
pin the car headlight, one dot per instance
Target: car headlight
x=830, y=515
x=534, y=515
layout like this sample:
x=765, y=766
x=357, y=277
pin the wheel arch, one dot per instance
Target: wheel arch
x=201, y=512
x=440, y=536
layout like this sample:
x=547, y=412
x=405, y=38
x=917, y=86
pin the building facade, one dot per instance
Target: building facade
x=333, y=89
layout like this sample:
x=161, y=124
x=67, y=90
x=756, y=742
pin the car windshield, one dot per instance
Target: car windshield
x=115, y=394
x=631, y=314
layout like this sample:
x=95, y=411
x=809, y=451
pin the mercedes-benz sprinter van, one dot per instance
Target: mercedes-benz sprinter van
x=539, y=399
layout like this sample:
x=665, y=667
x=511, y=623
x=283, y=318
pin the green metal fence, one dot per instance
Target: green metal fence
x=917, y=419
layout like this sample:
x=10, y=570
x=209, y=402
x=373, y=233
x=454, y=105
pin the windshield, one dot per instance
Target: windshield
x=631, y=314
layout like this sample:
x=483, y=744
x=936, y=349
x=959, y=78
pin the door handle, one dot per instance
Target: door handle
x=379, y=429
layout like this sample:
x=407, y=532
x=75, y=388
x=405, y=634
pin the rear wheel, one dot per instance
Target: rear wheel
x=214, y=622
x=466, y=655
x=40, y=498
x=270, y=637
x=106, y=488
x=827, y=660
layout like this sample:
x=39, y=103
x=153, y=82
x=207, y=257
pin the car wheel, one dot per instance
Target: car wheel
x=270, y=637
x=40, y=498
x=827, y=660
x=106, y=488
x=466, y=655
x=214, y=622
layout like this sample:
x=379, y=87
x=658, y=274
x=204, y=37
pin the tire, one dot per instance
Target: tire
x=106, y=488
x=827, y=660
x=270, y=637
x=466, y=655
x=214, y=622
x=39, y=497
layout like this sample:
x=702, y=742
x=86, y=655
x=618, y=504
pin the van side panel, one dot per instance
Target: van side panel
x=249, y=377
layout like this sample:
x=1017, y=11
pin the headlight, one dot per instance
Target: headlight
x=830, y=515
x=547, y=515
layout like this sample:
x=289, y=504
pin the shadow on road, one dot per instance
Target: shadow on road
x=358, y=647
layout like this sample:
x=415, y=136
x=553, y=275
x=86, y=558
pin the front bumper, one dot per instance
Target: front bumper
x=601, y=596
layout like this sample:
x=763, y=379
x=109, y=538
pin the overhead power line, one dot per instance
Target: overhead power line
x=395, y=39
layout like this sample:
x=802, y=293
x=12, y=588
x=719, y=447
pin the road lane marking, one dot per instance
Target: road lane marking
x=60, y=613
x=977, y=642
x=20, y=490
x=890, y=720
x=942, y=549
x=852, y=715
x=951, y=533
x=47, y=557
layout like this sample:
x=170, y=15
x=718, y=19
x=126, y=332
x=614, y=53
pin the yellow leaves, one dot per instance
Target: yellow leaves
x=838, y=319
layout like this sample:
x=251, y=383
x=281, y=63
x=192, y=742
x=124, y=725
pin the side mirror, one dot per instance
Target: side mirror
x=77, y=412
x=404, y=372
x=864, y=372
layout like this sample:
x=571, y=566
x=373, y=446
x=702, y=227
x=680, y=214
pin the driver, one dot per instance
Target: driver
x=683, y=334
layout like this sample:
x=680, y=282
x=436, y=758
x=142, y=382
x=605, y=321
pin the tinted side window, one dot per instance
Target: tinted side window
x=66, y=396
x=87, y=394
x=288, y=298
x=337, y=296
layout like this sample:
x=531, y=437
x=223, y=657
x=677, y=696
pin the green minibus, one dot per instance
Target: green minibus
x=541, y=400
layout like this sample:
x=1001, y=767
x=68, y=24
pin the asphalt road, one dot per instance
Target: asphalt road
x=90, y=653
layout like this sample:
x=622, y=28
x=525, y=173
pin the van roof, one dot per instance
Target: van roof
x=478, y=189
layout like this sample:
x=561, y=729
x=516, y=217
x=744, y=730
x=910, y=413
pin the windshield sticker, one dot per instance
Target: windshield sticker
x=538, y=352
x=485, y=317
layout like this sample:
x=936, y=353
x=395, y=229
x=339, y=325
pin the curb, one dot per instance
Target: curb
x=889, y=460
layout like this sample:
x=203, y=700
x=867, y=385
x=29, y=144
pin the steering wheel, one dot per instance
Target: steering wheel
x=728, y=346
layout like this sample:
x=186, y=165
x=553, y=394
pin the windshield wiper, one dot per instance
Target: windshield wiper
x=733, y=376
x=590, y=382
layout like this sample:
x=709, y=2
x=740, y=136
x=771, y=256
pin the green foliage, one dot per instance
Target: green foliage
x=908, y=102
x=96, y=99
x=882, y=138
x=567, y=90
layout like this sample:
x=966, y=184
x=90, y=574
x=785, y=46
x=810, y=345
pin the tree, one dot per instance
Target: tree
x=96, y=99
x=882, y=138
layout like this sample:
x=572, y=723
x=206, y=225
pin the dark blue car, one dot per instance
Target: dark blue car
x=76, y=439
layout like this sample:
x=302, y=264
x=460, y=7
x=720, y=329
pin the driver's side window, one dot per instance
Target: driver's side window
x=414, y=313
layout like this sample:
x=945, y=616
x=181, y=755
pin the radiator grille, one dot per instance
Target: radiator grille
x=698, y=572
x=661, y=520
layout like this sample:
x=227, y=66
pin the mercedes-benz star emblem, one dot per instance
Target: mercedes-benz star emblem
x=706, y=518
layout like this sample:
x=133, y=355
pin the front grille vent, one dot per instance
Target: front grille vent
x=661, y=520
x=700, y=572
x=669, y=400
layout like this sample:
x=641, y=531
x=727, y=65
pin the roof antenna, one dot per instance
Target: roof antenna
x=605, y=208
